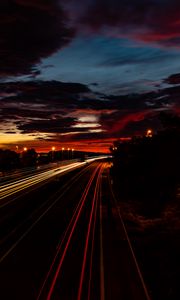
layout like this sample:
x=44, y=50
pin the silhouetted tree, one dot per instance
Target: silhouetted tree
x=169, y=120
x=29, y=157
x=8, y=160
x=147, y=169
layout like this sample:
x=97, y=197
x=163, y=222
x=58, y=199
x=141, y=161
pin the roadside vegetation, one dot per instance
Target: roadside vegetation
x=146, y=179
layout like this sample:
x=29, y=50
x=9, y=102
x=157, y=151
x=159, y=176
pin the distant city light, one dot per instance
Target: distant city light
x=25, y=149
x=53, y=148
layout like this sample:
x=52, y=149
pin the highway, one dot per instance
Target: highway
x=11, y=176
x=62, y=237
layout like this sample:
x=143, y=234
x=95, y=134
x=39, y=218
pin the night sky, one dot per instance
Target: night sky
x=84, y=73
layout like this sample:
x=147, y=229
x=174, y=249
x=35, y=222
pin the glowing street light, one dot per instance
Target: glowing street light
x=149, y=133
x=53, y=149
x=72, y=152
x=25, y=149
x=62, y=152
x=68, y=152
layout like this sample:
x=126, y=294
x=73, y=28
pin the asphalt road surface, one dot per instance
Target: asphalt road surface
x=62, y=237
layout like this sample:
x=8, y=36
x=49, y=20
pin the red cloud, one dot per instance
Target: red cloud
x=130, y=117
x=149, y=21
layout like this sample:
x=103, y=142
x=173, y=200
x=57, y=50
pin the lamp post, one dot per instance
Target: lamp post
x=53, y=149
x=72, y=153
x=68, y=152
x=62, y=153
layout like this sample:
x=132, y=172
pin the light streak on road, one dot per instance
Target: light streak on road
x=53, y=201
x=9, y=189
x=12, y=188
x=84, y=231
x=102, y=285
x=11, y=176
x=96, y=158
x=95, y=198
x=66, y=234
x=83, y=200
x=92, y=249
x=65, y=241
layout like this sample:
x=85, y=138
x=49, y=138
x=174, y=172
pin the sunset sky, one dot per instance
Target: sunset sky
x=82, y=74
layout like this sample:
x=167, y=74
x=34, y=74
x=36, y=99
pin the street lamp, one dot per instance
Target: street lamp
x=68, y=152
x=149, y=133
x=62, y=152
x=53, y=149
x=72, y=153
x=25, y=149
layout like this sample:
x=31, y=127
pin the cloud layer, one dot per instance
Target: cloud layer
x=33, y=29
x=71, y=112
x=154, y=21
x=51, y=110
x=30, y=30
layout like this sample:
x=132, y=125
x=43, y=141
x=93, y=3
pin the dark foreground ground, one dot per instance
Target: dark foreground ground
x=153, y=226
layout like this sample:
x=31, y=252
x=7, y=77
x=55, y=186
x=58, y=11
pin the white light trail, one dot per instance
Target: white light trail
x=9, y=189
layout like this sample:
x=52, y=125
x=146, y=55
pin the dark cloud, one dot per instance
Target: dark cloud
x=33, y=29
x=173, y=79
x=30, y=30
x=55, y=108
x=60, y=125
x=42, y=88
x=10, y=132
x=150, y=20
x=40, y=99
